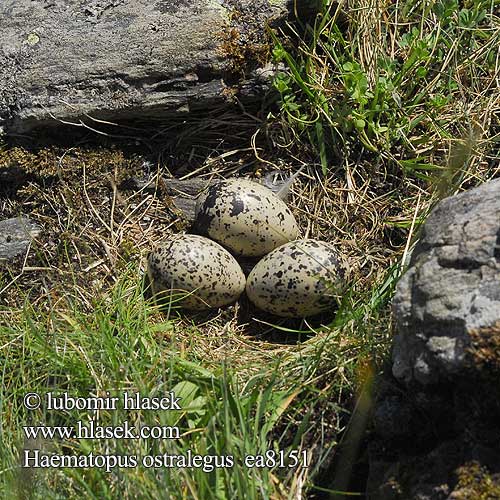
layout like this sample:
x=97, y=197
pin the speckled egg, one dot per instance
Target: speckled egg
x=245, y=217
x=189, y=263
x=298, y=279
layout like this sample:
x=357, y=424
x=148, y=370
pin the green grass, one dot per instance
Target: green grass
x=397, y=106
x=118, y=348
x=125, y=344
x=400, y=82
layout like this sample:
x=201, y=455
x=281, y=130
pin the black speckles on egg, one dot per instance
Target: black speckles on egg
x=245, y=217
x=254, y=196
x=298, y=279
x=192, y=264
x=237, y=207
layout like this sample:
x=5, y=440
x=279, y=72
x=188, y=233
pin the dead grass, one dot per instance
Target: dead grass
x=93, y=229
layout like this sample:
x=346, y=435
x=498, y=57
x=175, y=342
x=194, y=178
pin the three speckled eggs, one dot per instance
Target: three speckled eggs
x=295, y=278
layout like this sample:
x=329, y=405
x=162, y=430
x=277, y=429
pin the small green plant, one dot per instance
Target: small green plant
x=385, y=79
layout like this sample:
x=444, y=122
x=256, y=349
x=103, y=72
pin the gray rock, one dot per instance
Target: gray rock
x=185, y=192
x=392, y=418
x=15, y=237
x=436, y=474
x=86, y=60
x=447, y=306
x=182, y=192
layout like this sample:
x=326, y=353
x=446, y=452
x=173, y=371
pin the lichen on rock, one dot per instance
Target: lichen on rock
x=125, y=60
x=451, y=291
x=436, y=424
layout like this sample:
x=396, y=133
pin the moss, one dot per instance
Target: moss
x=484, y=351
x=72, y=194
x=245, y=44
x=67, y=165
x=244, y=52
x=474, y=481
x=42, y=162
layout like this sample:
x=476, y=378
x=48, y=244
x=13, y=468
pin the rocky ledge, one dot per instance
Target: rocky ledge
x=86, y=61
x=447, y=306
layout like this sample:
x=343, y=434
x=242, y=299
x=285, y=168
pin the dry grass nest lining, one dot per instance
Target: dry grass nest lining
x=93, y=230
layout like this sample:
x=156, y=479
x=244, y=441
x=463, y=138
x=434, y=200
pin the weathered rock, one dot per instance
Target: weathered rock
x=121, y=59
x=447, y=306
x=184, y=192
x=436, y=424
x=453, y=470
x=15, y=236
